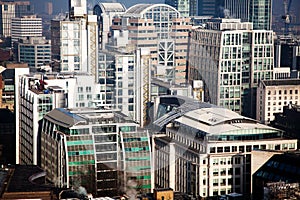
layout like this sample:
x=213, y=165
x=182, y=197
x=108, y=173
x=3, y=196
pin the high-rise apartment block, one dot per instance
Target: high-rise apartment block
x=10, y=10
x=273, y=95
x=36, y=51
x=231, y=58
x=99, y=149
x=26, y=26
x=204, y=150
x=162, y=30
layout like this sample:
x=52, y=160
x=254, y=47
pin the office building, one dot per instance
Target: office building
x=236, y=9
x=39, y=94
x=100, y=150
x=161, y=29
x=26, y=26
x=10, y=10
x=210, y=8
x=35, y=51
x=273, y=95
x=231, y=58
x=185, y=7
x=48, y=8
x=105, y=13
x=261, y=14
x=204, y=150
x=74, y=40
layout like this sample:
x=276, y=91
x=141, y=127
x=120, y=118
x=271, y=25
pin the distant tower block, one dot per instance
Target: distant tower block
x=49, y=8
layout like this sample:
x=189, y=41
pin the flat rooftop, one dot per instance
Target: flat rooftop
x=281, y=82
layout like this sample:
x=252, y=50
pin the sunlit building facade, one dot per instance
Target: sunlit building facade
x=204, y=150
x=231, y=58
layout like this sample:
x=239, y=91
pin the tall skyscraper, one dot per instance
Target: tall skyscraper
x=261, y=14
x=231, y=58
x=236, y=9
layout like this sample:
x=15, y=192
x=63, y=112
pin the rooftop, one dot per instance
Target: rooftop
x=280, y=82
x=140, y=9
x=112, y=7
x=23, y=177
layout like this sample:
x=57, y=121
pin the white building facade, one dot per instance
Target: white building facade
x=39, y=94
x=26, y=26
x=205, y=150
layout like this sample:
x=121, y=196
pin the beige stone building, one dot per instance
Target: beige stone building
x=161, y=29
x=272, y=95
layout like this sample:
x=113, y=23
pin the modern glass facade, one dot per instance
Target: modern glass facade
x=99, y=150
x=261, y=14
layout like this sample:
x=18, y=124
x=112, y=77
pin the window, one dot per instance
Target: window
x=130, y=107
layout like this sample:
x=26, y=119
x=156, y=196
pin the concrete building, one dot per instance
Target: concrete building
x=204, y=150
x=35, y=51
x=272, y=95
x=161, y=29
x=74, y=40
x=26, y=26
x=99, y=149
x=39, y=94
x=10, y=10
x=231, y=58
x=105, y=13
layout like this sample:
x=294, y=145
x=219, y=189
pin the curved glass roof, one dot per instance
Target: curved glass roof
x=142, y=9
